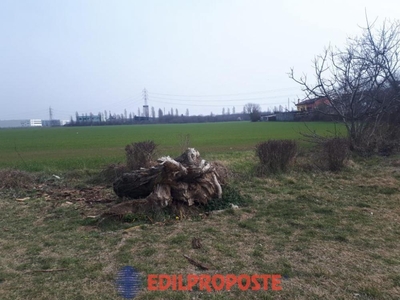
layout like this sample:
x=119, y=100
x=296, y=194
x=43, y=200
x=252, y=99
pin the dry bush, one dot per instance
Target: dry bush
x=307, y=163
x=335, y=152
x=15, y=179
x=184, y=141
x=140, y=155
x=383, y=140
x=109, y=174
x=276, y=155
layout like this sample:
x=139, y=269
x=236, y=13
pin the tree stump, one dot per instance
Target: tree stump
x=187, y=178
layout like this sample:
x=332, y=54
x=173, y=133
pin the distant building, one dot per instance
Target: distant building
x=51, y=123
x=143, y=118
x=89, y=119
x=21, y=123
x=34, y=123
x=286, y=116
x=269, y=117
x=311, y=104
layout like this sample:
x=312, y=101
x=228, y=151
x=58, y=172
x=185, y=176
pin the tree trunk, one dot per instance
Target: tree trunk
x=187, y=179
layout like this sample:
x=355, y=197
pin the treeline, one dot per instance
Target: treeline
x=97, y=120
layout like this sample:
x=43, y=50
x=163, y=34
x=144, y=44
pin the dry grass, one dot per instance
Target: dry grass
x=276, y=155
x=140, y=154
x=330, y=236
x=15, y=179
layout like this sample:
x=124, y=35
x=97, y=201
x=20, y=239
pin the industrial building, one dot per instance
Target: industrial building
x=31, y=123
x=20, y=123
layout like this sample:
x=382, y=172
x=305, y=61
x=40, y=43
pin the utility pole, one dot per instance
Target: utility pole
x=50, y=116
x=145, y=106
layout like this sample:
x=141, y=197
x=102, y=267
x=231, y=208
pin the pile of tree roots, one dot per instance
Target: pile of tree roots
x=187, y=179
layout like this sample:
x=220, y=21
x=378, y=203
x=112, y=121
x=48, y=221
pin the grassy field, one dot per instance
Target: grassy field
x=52, y=149
x=329, y=235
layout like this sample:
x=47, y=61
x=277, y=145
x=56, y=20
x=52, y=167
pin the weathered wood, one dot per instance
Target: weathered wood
x=161, y=196
x=187, y=179
x=137, y=184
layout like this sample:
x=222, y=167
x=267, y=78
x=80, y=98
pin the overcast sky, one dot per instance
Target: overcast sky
x=204, y=55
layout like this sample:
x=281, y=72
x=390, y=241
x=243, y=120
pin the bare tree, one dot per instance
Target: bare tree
x=360, y=83
x=254, y=110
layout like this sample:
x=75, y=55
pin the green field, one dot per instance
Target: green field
x=67, y=148
x=330, y=235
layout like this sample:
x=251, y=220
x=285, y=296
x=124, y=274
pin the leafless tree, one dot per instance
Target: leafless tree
x=254, y=110
x=360, y=82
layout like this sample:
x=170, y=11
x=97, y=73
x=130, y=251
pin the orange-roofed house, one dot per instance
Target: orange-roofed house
x=311, y=104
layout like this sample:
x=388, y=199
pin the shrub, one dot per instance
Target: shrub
x=276, y=155
x=383, y=139
x=15, y=179
x=140, y=154
x=335, y=151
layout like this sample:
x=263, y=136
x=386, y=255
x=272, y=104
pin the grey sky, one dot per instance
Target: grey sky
x=91, y=56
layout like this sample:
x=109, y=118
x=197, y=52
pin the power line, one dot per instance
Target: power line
x=189, y=101
x=226, y=95
x=214, y=105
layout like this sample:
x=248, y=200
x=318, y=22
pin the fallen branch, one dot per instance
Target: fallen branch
x=195, y=263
